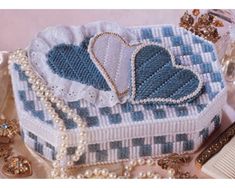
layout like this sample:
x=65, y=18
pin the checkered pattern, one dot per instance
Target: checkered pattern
x=127, y=149
x=189, y=50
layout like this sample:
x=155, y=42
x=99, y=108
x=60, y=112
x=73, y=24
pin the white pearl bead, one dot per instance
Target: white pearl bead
x=141, y=161
x=59, y=157
x=142, y=175
x=53, y=114
x=75, y=158
x=64, y=176
x=62, y=151
x=156, y=176
x=39, y=93
x=55, y=164
x=127, y=174
x=78, y=153
x=97, y=171
x=133, y=163
x=38, y=82
x=150, y=162
x=88, y=173
x=112, y=175
x=42, y=88
x=75, y=118
x=57, y=120
x=82, y=142
x=80, y=176
x=149, y=174
x=82, y=133
x=171, y=172
x=34, y=87
x=54, y=173
x=105, y=172
x=70, y=163
x=62, y=129
x=65, y=109
x=28, y=72
x=64, y=137
x=59, y=104
x=81, y=147
x=128, y=167
x=53, y=99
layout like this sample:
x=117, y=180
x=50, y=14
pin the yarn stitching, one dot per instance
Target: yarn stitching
x=135, y=95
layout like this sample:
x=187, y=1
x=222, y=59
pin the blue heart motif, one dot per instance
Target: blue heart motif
x=156, y=78
x=73, y=62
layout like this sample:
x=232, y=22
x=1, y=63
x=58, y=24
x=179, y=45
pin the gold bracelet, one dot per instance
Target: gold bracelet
x=216, y=146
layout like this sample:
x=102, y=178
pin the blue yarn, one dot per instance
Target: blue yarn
x=101, y=155
x=93, y=147
x=138, y=141
x=123, y=153
x=196, y=59
x=186, y=50
x=73, y=62
x=137, y=116
x=159, y=139
x=155, y=77
x=145, y=150
x=71, y=150
x=146, y=33
x=115, y=144
x=167, y=31
x=181, y=137
x=177, y=40
x=207, y=47
x=188, y=145
x=115, y=118
x=167, y=148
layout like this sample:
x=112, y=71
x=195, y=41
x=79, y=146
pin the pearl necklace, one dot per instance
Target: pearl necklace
x=60, y=169
x=47, y=98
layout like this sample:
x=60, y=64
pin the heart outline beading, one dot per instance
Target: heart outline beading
x=100, y=66
x=161, y=100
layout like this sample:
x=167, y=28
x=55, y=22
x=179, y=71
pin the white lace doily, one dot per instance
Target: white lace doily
x=67, y=89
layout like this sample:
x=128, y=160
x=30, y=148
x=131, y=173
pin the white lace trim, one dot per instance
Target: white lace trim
x=64, y=88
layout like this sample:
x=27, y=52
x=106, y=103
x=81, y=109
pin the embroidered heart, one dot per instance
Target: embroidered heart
x=112, y=54
x=73, y=62
x=156, y=77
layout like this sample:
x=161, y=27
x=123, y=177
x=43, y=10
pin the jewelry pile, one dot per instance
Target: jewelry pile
x=13, y=166
x=204, y=25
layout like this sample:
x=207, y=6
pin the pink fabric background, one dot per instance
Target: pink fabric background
x=18, y=27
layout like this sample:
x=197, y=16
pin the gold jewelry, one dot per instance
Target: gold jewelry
x=216, y=146
x=204, y=25
x=173, y=164
x=8, y=130
x=17, y=167
x=5, y=150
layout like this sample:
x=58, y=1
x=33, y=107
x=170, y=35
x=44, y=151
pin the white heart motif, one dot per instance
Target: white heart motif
x=112, y=55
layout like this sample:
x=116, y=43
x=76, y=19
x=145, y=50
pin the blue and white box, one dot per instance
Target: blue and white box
x=143, y=91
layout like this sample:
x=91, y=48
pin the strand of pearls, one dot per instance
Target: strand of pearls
x=97, y=172
x=47, y=98
x=60, y=170
x=140, y=162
